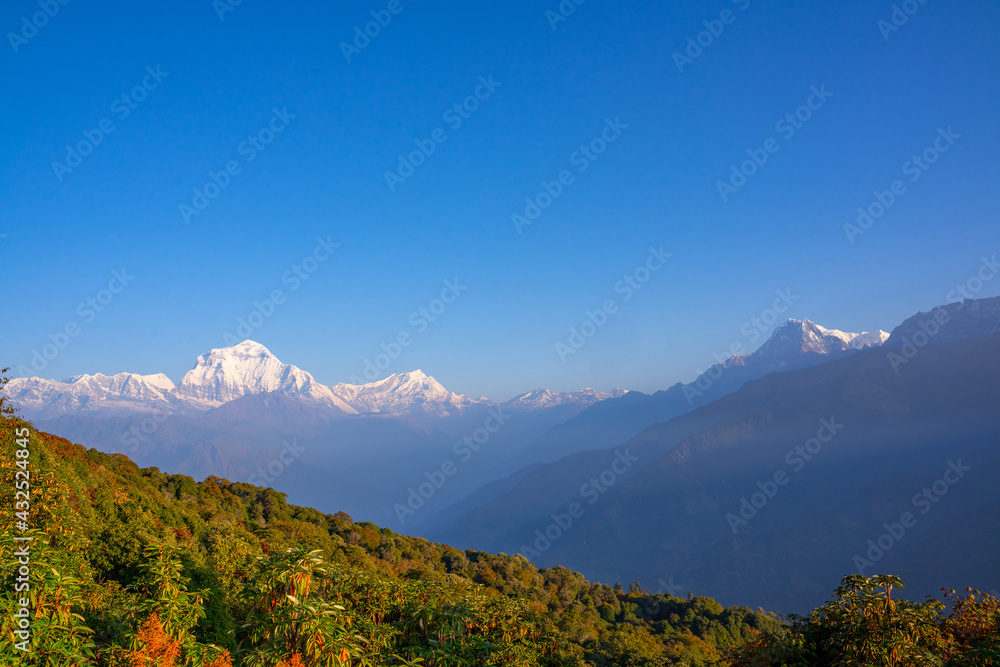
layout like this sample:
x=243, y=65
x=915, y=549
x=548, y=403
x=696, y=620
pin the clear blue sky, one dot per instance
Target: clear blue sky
x=324, y=175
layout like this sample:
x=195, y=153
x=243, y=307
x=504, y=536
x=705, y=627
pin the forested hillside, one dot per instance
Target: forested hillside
x=138, y=567
x=107, y=564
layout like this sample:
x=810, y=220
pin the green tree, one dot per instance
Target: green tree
x=58, y=634
x=289, y=617
x=865, y=625
x=7, y=410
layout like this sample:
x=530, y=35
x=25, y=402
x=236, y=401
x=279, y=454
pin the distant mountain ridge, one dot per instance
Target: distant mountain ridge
x=794, y=344
x=543, y=398
x=232, y=412
x=960, y=320
x=398, y=394
x=684, y=508
x=228, y=374
x=91, y=394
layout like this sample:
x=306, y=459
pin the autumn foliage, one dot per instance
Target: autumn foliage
x=157, y=648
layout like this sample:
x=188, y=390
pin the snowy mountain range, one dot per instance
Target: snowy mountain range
x=122, y=393
x=226, y=374
x=540, y=399
x=231, y=413
x=793, y=345
x=248, y=368
x=803, y=336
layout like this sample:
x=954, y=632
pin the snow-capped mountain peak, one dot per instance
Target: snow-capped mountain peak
x=804, y=336
x=228, y=373
x=540, y=399
x=160, y=381
x=405, y=392
x=852, y=341
x=225, y=374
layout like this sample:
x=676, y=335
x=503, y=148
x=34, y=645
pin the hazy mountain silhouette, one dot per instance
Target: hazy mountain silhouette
x=673, y=511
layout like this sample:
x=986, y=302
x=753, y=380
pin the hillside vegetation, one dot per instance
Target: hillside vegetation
x=135, y=567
